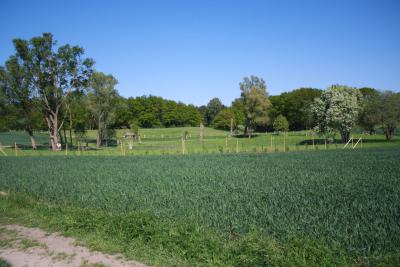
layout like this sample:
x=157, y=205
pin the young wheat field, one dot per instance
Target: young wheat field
x=334, y=207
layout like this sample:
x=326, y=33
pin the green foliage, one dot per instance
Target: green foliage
x=255, y=102
x=295, y=106
x=102, y=99
x=51, y=75
x=337, y=110
x=390, y=113
x=4, y=263
x=281, y=124
x=213, y=107
x=370, y=115
x=223, y=120
x=153, y=112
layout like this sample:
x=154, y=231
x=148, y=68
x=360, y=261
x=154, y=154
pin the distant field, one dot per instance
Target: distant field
x=337, y=207
x=168, y=141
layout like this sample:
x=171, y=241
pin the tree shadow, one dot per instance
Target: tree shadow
x=245, y=135
x=318, y=142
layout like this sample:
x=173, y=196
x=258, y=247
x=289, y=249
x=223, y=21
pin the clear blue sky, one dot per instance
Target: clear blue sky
x=195, y=50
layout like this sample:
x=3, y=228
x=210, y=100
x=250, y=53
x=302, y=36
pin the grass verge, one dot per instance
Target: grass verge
x=143, y=237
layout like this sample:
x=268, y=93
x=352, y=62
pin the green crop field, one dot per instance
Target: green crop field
x=334, y=207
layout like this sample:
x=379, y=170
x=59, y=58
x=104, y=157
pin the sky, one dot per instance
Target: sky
x=192, y=51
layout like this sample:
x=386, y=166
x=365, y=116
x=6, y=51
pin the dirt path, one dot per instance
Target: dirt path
x=22, y=246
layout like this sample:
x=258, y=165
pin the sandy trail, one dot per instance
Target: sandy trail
x=22, y=246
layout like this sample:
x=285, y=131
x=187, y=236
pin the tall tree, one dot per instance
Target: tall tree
x=103, y=97
x=15, y=81
x=390, y=113
x=213, y=107
x=255, y=101
x=370, y=114
x=337, y=110
x=54, y=75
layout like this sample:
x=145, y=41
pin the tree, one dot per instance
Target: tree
x=103, y=97
x=53, y=76
x=255, y=101
x=239, y=111
x=370, y=115
x=337, y=110
x=15, y=82
x=281, y=124
x=223, y=119
x=390, y=113
x=295, y=106
x=213, y=107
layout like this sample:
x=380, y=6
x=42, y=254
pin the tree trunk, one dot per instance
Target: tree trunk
x=33, y=142
x=389, y=132
x=70, y=127
x=65, y=134
x=61, y=137
x=52, y=123
x=345, y=136
x=99, y=140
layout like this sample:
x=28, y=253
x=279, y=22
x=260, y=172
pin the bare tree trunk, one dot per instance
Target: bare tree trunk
x=70, y=127
x=65, y=134
x=231, y=129
x=33, y=142
x=52, y=123
x=99, y=140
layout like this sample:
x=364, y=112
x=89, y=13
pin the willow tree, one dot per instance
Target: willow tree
x=55, y=72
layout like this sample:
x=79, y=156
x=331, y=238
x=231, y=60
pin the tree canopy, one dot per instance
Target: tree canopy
x=255, y=102
x=337, y=110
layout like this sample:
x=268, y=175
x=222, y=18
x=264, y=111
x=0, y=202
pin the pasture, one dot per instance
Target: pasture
x=168, y=141
x=334, y=207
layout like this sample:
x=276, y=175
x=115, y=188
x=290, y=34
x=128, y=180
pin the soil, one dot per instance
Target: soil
x=28, y=247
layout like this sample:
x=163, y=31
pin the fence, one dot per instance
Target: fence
x=265, y=143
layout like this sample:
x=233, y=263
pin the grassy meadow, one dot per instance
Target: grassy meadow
x=326, y=208
x=168, y=141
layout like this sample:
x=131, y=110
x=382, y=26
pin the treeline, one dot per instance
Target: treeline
x=55, y=88
x=339, y=108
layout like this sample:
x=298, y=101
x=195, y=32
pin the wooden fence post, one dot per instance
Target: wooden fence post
x=15, y=148
x=284, y=142
x=313, y=143
x=271, y=141
x=183, y=146
x=66, y=148
x=237, y=145
x=325, y=143
x=123, y=147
